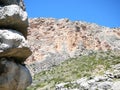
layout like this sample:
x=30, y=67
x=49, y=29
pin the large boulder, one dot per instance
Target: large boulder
x=11, y=39
x=13, y=76
x=13, y=17
x=19, y=54
x=10, y=2
x=13, y=45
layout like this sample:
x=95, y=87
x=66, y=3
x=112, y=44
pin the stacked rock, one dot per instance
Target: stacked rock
x=13, y=46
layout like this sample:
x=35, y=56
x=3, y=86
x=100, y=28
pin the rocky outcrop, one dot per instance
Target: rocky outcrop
x=13, y=17
x=13, y=76
x=9, y=2
x=56, y=40
x=14, y=49
x=20, y=54
x=109, y=81
x=11, y=39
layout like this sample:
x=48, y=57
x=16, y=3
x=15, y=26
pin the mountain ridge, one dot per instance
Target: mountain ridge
x=71, y=55
x=56, y=40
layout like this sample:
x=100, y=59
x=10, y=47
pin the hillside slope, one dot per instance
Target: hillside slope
x=56, y=40
x=99, y=71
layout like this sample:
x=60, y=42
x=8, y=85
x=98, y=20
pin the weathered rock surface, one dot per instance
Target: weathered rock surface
x=11, y=39
x=10, y=2
x=13, y=76
x=20, y=54
x=55, y=40
x=13, y=46
x=108, y=81
x=116, y=85
x=13, y=17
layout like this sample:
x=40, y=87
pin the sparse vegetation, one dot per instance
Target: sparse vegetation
x=73, y=69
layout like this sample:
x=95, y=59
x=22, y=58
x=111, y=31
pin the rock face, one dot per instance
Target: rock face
x=13, y=76
x=11, y=39
x=10, y=2
x=13, y=17
x=53, y=41
x=14, y=49
x=20, y=54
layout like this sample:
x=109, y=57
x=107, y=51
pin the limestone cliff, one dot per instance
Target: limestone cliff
x=54, y=40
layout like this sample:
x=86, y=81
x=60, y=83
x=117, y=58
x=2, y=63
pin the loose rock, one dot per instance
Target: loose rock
x=13, y=76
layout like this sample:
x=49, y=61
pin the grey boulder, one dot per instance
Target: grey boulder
x=13, y=17
x=10, y=2
x=13, y=45
x=13, y=76
x=11, y=39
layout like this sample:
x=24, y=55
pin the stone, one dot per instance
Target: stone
x=13, y=76
x=84, y=86
x=116, y=73
x=109, y=74
x=11, y=39
x=100, y=78
x=60, y=86
x=10, y=2
x=14, y=49
x=25, y=78
x=81, y=80
x=105, y=85
x=13, y=17
x=19, y=54
x=116, y=85
x=116, y=67
x=91, y=82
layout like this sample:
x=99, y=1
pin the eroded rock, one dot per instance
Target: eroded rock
x=10, y=2
x=13, y=76
x=13, y=17
x=11, y=39
x=56, y=40
x=13, y=46
x=20, y=54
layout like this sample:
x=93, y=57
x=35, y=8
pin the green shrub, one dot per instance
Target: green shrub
x=75, y=68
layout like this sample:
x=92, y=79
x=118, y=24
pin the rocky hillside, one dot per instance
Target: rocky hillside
x=98, y=71
x=71, y=55
x=55, y=40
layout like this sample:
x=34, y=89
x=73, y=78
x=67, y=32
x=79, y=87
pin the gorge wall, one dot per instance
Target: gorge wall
x=13, y=46
x=52, y=41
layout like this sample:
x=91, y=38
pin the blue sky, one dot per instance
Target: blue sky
x=102, y=12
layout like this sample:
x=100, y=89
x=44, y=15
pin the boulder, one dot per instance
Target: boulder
x=11, y=39
x=13, y=17
x=13, y=46
x=13, y=76
x=10, y=2
x=19, y=54
x=116, y=85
